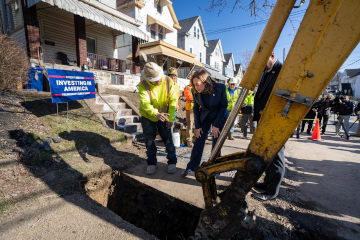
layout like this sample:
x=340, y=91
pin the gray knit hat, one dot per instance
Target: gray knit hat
x=152, y=72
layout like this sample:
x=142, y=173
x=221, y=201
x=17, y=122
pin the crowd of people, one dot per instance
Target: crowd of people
x=207, y=107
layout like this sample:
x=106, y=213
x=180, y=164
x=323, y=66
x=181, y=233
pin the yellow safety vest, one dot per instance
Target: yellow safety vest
x=231, y=100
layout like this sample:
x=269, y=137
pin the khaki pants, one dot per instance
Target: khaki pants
x=189, y=126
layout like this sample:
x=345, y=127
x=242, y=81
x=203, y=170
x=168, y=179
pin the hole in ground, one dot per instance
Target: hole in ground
x=145, y=207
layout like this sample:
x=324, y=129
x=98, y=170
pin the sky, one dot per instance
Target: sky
x=246, y=30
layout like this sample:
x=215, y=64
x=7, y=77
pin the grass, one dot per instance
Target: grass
x=81, y=128
x=5, y=205
x=2, y=154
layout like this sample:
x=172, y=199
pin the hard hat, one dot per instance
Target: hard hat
x=152, y=72
x=172, y=71
x=232, y=81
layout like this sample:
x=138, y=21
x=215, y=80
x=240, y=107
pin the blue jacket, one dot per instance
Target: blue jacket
x=211, y=107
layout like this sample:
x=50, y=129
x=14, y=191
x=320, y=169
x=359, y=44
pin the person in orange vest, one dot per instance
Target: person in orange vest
x=189, y=115
x=173, y=74
x=157, y=109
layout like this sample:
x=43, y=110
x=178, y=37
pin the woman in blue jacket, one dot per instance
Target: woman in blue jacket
x=210, y=109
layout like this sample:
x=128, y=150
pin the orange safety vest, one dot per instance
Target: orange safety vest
x=148, y=89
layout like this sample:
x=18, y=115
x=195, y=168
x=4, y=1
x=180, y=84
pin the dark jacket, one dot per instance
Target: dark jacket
x=345, y=108
x=266, y=85
x=211, y=107
x=323, y=107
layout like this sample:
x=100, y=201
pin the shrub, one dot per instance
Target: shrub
x=14, y=64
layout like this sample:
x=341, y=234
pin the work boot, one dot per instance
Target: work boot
x=230, y=137
x=172, y=168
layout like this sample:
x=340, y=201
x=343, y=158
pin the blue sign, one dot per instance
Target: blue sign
x=68, y=85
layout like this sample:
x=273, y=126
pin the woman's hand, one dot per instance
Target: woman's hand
x=216, y=132
x=198, y=132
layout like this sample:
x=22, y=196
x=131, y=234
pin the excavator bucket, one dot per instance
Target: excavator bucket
x=327, y=35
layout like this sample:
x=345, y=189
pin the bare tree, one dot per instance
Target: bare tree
x=245, y=58
x=253, y=5
x=14, y=64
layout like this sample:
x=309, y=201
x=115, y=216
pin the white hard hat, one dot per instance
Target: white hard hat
x=232, y=80
x=152, y=72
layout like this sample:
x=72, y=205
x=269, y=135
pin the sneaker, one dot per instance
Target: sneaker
x=151, y=169
x=172, y=168
x=186, y=172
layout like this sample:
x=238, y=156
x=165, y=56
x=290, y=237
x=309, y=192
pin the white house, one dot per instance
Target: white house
x=238, y=72
x=350, y=82
x=229, y=65
x=214, y=55
x=192, y=37
x=159, y=22
x=157, y=19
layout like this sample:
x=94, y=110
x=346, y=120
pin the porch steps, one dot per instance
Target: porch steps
x=126, y=119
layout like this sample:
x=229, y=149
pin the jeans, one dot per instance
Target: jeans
x=197, y=151
x=344, y=121
x=150, y=129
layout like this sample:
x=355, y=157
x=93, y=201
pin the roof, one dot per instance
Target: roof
x=162, y=48
x=352, y=72
x=237, y=68
x=227, y=57
x=187, y=23
x=99, y=13
x=214, y=74
x=212, y=45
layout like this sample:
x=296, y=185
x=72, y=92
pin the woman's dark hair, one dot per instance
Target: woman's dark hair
x=208, y=81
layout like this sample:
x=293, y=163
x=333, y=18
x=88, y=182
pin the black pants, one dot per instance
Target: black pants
x=310, y=124
x=275, y=173
x=325, y=119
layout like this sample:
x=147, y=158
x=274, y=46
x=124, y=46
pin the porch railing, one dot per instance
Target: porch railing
x=107, y=63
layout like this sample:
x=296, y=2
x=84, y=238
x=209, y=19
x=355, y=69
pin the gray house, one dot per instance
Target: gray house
x=192, y=38
x=229, y=65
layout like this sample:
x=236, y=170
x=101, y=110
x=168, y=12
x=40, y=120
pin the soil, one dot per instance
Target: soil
x=58, y=190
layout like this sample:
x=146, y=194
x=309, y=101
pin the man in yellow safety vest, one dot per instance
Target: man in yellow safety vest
x=173, y=74
x=247, y=111
x=157, y=109
x=232, y=93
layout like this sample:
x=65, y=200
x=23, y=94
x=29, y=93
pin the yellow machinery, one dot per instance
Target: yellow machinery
x=327, y=35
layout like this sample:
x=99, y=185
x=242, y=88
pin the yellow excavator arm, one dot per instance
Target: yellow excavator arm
x=327, y=35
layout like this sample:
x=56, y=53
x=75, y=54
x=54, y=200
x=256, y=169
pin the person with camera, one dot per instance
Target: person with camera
x=345, y=108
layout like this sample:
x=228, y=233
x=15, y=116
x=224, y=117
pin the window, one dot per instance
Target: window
x=200, y=57
x=117, y=79
x=90, y=45
x=194, y=31
x=158, y=8
x=15, y=17
x=216, y=65
x=190, y=50
x=198, y=33
x=153, y=33
x=161, y=32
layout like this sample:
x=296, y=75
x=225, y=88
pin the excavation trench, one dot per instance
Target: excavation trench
x=156, y=212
